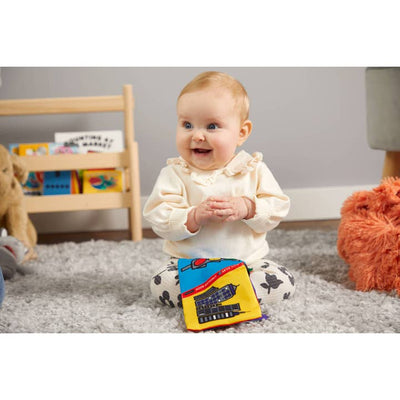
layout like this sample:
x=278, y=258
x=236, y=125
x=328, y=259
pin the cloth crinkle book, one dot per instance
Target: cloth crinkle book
x=216, y=292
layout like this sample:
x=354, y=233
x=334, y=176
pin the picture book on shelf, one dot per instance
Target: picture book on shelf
x=61, y=148
x=93, y=141
x=33, y=149
x=34, y=183
x=102, y=181
x=60, y=182
x=42, y=149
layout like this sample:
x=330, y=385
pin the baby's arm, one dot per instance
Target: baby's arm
x=198, y=216
x=167, y=207
x=271, y=204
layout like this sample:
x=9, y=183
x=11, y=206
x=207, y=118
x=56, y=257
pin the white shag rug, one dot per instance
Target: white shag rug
x=103, y=286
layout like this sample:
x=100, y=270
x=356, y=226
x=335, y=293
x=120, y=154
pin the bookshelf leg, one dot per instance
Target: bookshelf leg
x=135, y=216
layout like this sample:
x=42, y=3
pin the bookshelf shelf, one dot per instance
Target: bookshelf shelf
x=77, y=161
x=76, y=202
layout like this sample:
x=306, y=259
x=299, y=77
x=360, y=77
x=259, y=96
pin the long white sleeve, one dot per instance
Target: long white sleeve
x=167, y=207
x=272, y=205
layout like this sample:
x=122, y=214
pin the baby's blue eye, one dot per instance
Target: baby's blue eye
x=187, y=125
x=212, y=126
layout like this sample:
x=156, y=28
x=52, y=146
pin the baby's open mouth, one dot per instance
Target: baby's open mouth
x=201, y=151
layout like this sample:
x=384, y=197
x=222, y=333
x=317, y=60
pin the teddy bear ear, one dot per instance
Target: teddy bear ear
x=20, y=170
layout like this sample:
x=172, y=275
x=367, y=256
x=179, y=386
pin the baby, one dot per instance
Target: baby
x=211, y=202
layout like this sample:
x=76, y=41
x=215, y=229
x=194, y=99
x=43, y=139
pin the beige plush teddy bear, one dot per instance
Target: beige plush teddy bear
x=13, y=215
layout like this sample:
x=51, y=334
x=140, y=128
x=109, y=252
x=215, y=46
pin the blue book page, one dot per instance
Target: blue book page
x=195, y=271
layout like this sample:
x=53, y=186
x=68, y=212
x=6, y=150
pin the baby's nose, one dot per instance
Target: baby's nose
x=198, y=136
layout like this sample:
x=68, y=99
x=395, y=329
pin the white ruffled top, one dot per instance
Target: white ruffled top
x=180, y=187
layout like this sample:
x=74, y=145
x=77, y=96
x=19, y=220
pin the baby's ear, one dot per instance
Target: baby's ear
x=245, y=131
x=19, y=167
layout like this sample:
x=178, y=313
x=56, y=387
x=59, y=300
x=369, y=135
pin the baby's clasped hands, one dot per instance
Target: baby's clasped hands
x=220, y=209
x=231, y=208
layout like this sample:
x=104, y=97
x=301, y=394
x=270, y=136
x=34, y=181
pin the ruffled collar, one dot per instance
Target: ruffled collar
x=241, y=164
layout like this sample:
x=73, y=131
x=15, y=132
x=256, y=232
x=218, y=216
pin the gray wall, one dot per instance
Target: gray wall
x=310, y=123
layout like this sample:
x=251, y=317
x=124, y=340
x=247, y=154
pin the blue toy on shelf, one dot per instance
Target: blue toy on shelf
x=57, y=182
x=60, y=182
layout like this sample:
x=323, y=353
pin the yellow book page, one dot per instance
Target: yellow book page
x=241, y=306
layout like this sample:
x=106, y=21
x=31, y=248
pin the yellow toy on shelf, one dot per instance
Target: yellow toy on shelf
x=103, y=181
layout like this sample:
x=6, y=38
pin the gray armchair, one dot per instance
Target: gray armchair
x=383, y=115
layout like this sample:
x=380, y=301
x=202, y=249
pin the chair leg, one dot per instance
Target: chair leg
x=391, y=166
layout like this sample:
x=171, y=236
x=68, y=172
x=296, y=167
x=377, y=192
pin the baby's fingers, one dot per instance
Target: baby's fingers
x=220, y=205
x=223, y=212
x=233, y=217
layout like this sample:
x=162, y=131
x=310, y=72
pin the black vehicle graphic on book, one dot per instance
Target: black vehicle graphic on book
x=209, y=305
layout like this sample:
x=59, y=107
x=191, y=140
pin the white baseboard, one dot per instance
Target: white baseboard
x=317, y=203
x=320, y=202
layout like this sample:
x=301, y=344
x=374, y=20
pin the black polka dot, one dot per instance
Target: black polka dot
x=165, y=295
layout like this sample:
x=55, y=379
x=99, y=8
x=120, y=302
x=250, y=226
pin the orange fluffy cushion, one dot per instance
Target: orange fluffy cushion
x=369, y=237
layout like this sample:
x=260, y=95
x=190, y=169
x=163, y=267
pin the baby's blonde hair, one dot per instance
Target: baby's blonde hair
x=220, y=79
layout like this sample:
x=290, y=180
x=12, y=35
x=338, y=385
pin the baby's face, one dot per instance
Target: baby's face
x=209, y=128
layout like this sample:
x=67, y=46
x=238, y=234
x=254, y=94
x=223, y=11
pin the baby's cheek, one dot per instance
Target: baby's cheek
x=224, y=150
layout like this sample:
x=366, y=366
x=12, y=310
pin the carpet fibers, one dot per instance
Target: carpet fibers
x=103, y=286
